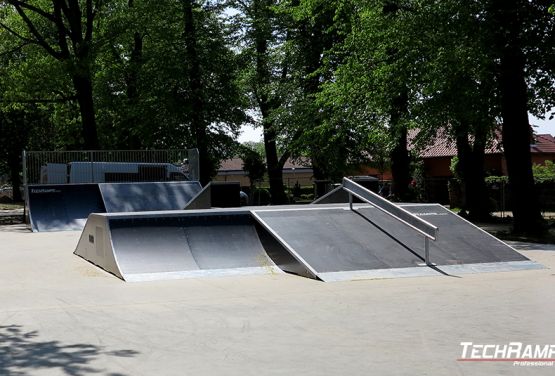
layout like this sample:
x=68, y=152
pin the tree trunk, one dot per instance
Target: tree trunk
x=516, y=129
x=262, y=33
x=275, y=169
x=400, y=159
x=83, y=88
x=130, y=138
x=471, y=169
x=198, y=126
x=14, y=165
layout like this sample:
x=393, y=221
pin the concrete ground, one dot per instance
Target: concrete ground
x=60, y=315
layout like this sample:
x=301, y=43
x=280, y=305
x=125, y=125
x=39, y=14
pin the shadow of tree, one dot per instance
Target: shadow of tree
x=21, y=352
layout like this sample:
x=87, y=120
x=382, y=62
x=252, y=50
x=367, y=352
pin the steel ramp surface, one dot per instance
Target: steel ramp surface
x=147, y=196
x=62, y=207
x=461, y=246
x=166, y=245
x=335, y=243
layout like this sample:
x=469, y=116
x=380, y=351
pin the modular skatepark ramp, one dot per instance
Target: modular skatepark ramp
x=136, y=197
x=67, y=206
x=328, y=242
x=62, y=207
x=139, y=247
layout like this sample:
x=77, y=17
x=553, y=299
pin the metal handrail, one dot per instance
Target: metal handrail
x=428, y=230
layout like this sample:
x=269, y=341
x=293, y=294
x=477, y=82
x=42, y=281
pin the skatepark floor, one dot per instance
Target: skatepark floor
x=60, y=315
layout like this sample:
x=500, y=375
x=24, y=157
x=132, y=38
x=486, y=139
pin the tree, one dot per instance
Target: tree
x=515, y=25
x=64, y=29
x=20, y=127
x=261, y=40
x=253, y=164
x=169, y=79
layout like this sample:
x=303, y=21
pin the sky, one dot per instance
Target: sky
x=249, y=133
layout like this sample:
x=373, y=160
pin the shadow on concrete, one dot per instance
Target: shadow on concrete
x=22, y=352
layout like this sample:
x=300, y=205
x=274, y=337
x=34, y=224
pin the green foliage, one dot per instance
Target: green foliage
x=253, y=163
x=544, y=172
x=490, y=180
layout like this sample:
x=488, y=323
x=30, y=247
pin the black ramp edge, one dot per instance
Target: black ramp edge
x=336, y=240
x=151, y=196
x=458, y=242
x=62, y=207
x=188, y=245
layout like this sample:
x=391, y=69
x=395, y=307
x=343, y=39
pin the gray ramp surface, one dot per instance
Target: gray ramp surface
x=337, y=243
x=166, y=246
x=62, y=207
x=458, y=242
x=135, y=197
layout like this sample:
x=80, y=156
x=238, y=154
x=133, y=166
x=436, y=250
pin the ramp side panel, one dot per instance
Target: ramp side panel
x=95, y=245
x=337, y=240
x=188, y=244
x=202, y=200
x=150, y=196
x=63, y=207
x=280, y=255
x=458, y=242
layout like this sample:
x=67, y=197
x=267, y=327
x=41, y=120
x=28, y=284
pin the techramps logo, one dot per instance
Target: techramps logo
x=517, y=353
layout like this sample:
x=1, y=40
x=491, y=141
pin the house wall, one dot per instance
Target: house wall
x=441, y=166
x=541, y=158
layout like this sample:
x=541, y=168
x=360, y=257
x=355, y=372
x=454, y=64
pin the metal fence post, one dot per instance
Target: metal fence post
x=24, y=173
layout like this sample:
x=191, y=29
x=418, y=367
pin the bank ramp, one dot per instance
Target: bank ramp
x=62, y=207
x=66, y=207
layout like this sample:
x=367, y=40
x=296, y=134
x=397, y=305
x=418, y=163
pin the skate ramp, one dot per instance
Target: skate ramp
x=62, y=207
x=330, y=242
x=462, y=247
x=166, y=245
x=335, y=243
x=150, y=196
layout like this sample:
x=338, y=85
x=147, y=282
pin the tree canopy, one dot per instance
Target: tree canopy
x=342, y=82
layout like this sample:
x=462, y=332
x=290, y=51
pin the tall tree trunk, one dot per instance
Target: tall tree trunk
x=130, y=139
x=198, y=123
x=262, y=31
x=516, y=129
x=275, y=169
x=84, y=91
x=471, y=169
x=400, y=158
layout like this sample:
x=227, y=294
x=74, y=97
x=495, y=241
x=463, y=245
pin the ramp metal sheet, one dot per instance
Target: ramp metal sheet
x=459, y=241
x=168, y=245
x=134, y=197
x=62, y=207
x=338, y=244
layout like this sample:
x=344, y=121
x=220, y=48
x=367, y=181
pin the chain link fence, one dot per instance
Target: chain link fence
x=109, y=166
